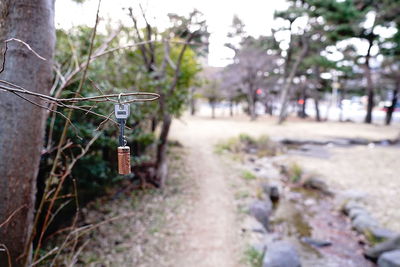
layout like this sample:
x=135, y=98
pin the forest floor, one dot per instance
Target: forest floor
x=194, y=221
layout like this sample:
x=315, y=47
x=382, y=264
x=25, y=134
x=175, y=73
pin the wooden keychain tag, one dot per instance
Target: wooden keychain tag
x=124, y=160
x=124, y=155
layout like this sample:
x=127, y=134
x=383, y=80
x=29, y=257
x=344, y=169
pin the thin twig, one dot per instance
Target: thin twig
x=12, y=215
x=27, y=46
x=45, y=256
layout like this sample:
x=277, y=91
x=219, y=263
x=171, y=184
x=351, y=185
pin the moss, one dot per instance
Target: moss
x=248, y=175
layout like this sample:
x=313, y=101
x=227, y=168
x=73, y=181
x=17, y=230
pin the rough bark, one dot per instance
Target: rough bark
x=22, y=124
x=389, y=112
x=302, y=113
x=192, y=101
x=286, y=91
x=370, y=86
x=317, y=113
x=212, y=104
x=161, y=162
x=251, y=99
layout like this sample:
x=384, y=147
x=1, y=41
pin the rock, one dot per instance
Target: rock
x=261, y=210
x=379, y=249
x=355, y=212
x=340, y=142
x=351, y=205
x=390, y=259
x=272, y=191
x=252, y=159
x=316, y=242
x=281, y=254
x=253, y=225
x=358, y=141
x=364, y=223
x=353, y=195
x=317, y=184
x=310, y=202
x=379, y=234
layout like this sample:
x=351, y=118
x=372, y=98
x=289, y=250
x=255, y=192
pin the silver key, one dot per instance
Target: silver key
x=121, y=111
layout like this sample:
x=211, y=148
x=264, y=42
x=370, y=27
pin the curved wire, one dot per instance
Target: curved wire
x=106, y=98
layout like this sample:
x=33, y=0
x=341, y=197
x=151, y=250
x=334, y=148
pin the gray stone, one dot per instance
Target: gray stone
x=379, y=249
x=272, y=191
x=317, y=184
x=355, y=212
x=310, y=202
x=316, y=242
x=351, y=205
x=364, y=223
x=390, y=259
x=381, y=234
x=352, y=194
x=281, y=254
x=252, y=225
x=261, y=210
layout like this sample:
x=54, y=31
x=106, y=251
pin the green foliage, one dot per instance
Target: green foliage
x=253, y=257
x=247, y=139
x=244, y=143
x=295, y=172
x=115, y=72
x=248, y=175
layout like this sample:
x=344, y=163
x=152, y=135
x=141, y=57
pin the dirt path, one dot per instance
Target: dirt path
x=213, y=238
x=368, y=170
x=211, y=226
x=195, y=220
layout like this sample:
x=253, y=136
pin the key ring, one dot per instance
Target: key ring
x=119, y=99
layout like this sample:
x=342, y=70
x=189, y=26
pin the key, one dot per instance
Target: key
x=121, y=111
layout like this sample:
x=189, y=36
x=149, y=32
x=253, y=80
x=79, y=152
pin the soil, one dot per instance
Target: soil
x=370, y=170
x=194, y=220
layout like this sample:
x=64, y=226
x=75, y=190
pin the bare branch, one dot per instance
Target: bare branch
x=26, y=45
x=12, y=215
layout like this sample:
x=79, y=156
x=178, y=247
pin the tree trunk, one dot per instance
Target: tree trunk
x=370, y=86
x=392, y=107
x=316, y=104
x=22, y=124
x=252, y=109
x=231, y=108
x=212, y=104
x=286, y=91
x=162, y=166
x=192, y=101
x=302, y=113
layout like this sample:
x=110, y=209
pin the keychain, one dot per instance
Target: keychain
x=124, y=157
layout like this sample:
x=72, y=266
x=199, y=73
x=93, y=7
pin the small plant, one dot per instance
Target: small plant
x=253, y=257
x=231, y=145
x=248, y=175
x=247, y=139
x=295, y=173
x=241, y=195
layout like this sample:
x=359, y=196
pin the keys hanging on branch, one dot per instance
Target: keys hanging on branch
x=124, y=155
x=121, y=111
